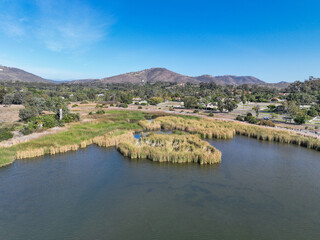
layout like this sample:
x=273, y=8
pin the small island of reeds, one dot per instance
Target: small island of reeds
x=185, y=148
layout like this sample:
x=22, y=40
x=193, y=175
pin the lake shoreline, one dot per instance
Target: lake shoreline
x=120, y=122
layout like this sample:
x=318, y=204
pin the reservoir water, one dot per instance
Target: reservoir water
x=260, y=191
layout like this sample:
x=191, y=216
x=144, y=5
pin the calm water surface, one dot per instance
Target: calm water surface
x=260, y=191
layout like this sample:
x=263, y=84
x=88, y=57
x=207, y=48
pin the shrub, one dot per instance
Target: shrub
x=300, y=119
x=139, y=107
x=111, y=105
x=5, y=134
x=239, y=118
x=28, y=113
x=268, y=123
x=29, y=128
x=84, y=102
x=249, y=114
x=90, y=113
x=123, y=105
x=211, y=115
x=75, y=105
x=251, y=119
x=171, y=109
x=196, y=111
x=100, y=112
x=48, y=121
x=71, y=117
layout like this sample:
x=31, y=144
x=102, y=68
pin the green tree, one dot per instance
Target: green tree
x=256, y=109
x=220, y=105
x=190, y=102
x=230, y=105
x=28, y=113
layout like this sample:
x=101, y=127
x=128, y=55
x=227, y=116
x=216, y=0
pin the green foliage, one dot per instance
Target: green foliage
x=239, y=118
x=268, y=123
x=139, y=107
x=300, y=119
x=100, y=111
x=196, y=111
x=251, y=119
x=29, y=128
x=71, y=117
x=27, y=113
x=190, y=102
x=271, y=107
x=230, y=105
x=75, y=105
x=123, y=105
x=5, y=134
x=211, y=115
x=312, y=112
x=155, y=100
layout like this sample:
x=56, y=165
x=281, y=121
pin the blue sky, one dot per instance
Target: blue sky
x=272, y=40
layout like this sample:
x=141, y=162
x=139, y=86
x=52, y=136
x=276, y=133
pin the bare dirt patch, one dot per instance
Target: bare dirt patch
x=10, y=113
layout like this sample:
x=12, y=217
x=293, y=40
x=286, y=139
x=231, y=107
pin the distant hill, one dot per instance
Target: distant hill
x=151, y=75
x=16, y=74
x=164, y=75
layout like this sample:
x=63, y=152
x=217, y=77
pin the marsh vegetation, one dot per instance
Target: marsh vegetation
x=173, y=148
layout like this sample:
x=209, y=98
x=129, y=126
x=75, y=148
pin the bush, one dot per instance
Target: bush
x=5, y=134
x=268, y=123
x=251, y=119
x=249, y=114
x=100, y=112
x=90, y=113
x=300, y=119
x=139, y=107
x=48, y=121
x=29, y=128
x=71, y=117
x=196, y=111
x=123, y=105
x=239, y=118
x=84, y=102
x=111, y=105
x=75, y=105
x=171, y=109
x=28, y=113
x=211, y=115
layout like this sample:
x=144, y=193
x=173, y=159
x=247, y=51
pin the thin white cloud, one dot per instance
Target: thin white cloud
x=58, y=25
x=11, y=26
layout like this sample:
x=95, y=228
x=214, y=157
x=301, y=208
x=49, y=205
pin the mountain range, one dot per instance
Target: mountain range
x=151, y=75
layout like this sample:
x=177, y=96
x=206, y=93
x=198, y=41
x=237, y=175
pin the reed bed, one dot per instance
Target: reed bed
x=208, y=128
x=150, y=125
x=171, y=148
x=108, y=140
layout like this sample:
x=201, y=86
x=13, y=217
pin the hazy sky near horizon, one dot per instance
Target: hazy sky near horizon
x=55, y=39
